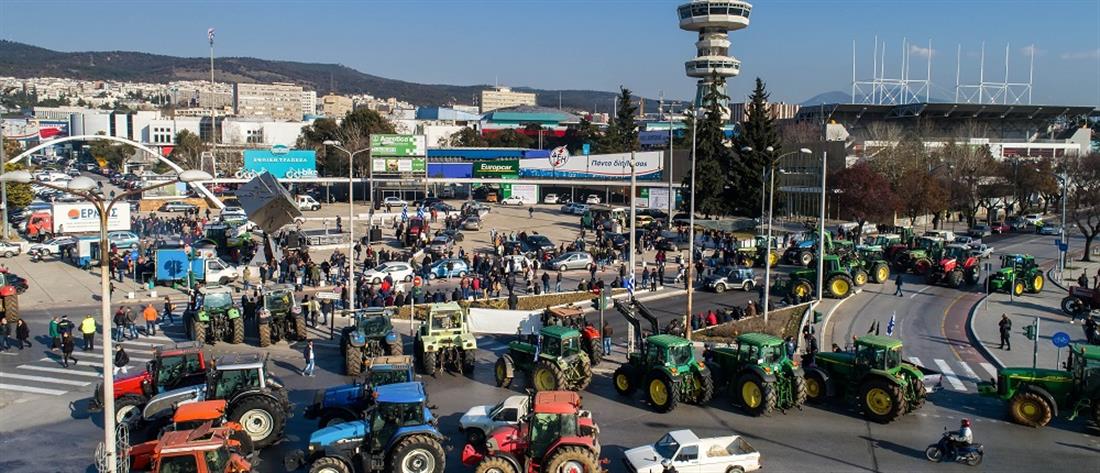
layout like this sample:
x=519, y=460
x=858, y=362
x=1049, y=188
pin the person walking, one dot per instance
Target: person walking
x=168, y=308
x=67, y=346
x=150, y=315
x=607, y=333
x=22, y=334
x=131, y=323
x=87, y=328
x=897, y=290
x=119, y=321
x=1005, y=326
x=121, y=360
x=5, y=332
x=55, y=334
x=310, y=360
x=557, y=283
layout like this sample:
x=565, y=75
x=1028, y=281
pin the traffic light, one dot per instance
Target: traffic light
x=1029, y=332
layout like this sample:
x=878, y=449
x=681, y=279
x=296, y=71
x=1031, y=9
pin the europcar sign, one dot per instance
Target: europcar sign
x=497, y=168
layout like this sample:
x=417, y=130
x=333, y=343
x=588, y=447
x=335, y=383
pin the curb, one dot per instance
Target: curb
x=829, y=315
x=977, y=342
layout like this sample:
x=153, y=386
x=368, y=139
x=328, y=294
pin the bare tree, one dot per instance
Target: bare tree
x=1083, y=198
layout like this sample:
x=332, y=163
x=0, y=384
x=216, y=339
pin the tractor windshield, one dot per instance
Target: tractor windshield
x=373, y=325
x=680, y=354
x=570, y=346
x=217, y=300
x=956, y=252
x=927, y=244
x=446, y=320
x=399, y=414
x=548, y=428
x=384, y=377
x=667, y=447
x=878, y=357
x=278, y=301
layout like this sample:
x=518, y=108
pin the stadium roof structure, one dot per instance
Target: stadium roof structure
x=940, y=111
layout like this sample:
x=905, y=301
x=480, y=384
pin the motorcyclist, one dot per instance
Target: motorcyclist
x=961, y=438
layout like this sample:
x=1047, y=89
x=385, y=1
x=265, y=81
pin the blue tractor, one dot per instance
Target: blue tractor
x=347, y=402
x=398, y=434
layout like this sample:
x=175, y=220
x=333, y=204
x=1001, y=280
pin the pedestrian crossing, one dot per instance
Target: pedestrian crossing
x=47, y=377
x=959, y=375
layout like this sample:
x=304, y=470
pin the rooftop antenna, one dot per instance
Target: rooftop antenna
x=882, y=89
x=1003, y=92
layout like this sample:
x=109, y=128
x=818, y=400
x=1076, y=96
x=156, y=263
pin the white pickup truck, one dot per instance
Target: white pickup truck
x=682, y=450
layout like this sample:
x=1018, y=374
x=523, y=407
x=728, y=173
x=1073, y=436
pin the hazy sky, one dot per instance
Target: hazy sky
x=800, y=47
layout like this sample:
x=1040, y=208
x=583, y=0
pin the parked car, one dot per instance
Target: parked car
x=476, y=208
x=571, y=260
x=234, y=215
x=53, y=246
x=540, y=242
x=666, y=244
x=516, y=262
x=980, y=231
x=731, y=277
x=1000, y=227
x=981, y=251
x=472, y=223
x=966, y=240
x=480, y=420
x=550, y=199
x=592, y=199
x=682, y=450
x=574, y=208
x=394, y=202
x=1050, y=229
x=441, y=244
x=439, y=269
x=9, y=249
x=618, y=240
x=513, y=200
x=15, y=281
x=123, y=240
x=178, y=206
x=398, y=270
x=1019, y=224
x=1034, y=219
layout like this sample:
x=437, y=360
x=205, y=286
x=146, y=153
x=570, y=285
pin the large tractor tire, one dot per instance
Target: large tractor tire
x=353, y=360
x=816, y=388
x=417, y=453
x=624, y=380
x=547, y=377
x=396, y=348
x=662, y=391
x=430, y=363
x=860, y=277
x=705, y=392
x=881, y=400
x=839, y=286
x=1018, y=288
x=261, y=418
x=954, y=279
x=128, y=410
x=1073, y=305
x=574, y=459
x=594, y=348
x=1030, y=409
x=265, y=334
x=756, y=396
x=299, y=329
x=585, y=373
x=198, y=332
x=1037, y=283
x=494, y=465
x=501, y=370
x=880, y=273
x=238, y=331
x=802, y=289
x=11, y=307
x=914, y=404
x=330, y=465
x=798, y=386
x=922, y=266
x=468, y=359
x=805, y=258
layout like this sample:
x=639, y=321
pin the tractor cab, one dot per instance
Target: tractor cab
x=206, y=449
x=279, y=299
x=552, y=420
x=1018, y=262
x=216, y=299
x=445, y=319
x=930, y=244
x=877, y=353
x=555, y=435
x=559, y=342
x=236, y=374
x=671, y=352
x=956, y=252
x=173, y=366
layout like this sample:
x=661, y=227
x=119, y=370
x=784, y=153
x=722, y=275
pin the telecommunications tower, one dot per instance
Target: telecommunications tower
x=713, y=19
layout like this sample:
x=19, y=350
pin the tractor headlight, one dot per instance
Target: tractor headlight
x=674, y=370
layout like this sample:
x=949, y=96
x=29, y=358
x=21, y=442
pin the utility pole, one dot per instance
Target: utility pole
x=689, y=278
x=213, y=115
x=4, y=184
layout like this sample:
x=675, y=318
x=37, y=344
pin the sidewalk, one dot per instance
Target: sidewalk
x=1022, y=311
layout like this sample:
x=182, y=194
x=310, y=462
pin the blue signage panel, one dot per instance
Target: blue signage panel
x=1060, y=339
x=281, y=162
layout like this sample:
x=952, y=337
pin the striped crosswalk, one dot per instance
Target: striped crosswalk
x=959, y=375
x=47, y=377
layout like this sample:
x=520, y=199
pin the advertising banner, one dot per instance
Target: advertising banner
x=398, y=145
x=281, y=162
x=529, y=193
x=653, y=138
x=497, y=168
x=83, y=217
x=399, y=165
x=596, y=166
x=658, y=198
x=176, y=190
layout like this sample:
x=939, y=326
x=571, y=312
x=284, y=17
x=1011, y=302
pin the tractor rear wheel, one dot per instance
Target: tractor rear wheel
x=624, y=380
x=585, y=373
x=594, y=348
x=417, y=454
x=397, y=347
x=299, y=328
x=1018, y=288
x=330, y=465
x=430, y=363
x=353, y=360
x=265, y=334
x=1073, y=305
x=468, y=359
x=261, y=418
x=494, y=465
x=802, y=289
x=860, y=277
x=706, y=388
x=238, y=331
x=662, y=391
x=839, y=286
x=757, y=396
x=500, y=371
x=1030, y=409
x=880, y=273
x=11, y=307
x=798, y=385
x=881, y=400
x=815, y=387
x=1037, y=283
x=922, y=266
x=198, y=332
x=918, y=388
x=573, y=459
x=954, y=279
x=547, y=376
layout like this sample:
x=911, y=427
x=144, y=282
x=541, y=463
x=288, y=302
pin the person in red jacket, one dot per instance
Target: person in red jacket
x=712, y=318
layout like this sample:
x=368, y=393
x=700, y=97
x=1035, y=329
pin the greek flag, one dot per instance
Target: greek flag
x=210, y=35
x=420, y=212
x=890, y=325
x=405, y=212
x=629, y=284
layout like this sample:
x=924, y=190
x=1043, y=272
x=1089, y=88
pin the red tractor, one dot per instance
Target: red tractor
x=172, y=367
x=9, y=297
x=552, y=437
x=956, y=267
x=591, y=342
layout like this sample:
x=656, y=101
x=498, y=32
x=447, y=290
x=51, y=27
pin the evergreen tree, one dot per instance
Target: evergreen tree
x=622, y=132
x=758, y=131
x=713, y=155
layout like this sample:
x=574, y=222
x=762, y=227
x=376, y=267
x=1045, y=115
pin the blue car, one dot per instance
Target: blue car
x=438, y=269
x=123, y=240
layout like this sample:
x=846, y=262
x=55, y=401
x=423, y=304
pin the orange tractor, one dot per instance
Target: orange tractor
x=206, y=449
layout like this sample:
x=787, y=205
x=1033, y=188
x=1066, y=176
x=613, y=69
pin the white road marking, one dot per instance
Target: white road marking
x=925, y=288
x=82, y=362
x=81, y=355
x=28, y=389
x=71, y=371
x=9, y=354
x=989, y=369
x=967, y=372
x=950, y=375
x=41, y=379
x=914, y=360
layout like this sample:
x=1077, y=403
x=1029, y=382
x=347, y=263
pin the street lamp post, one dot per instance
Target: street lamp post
x=633, y=220
x=83, y=186
x=688, y=276
x=351, y=217
x=1065, y=244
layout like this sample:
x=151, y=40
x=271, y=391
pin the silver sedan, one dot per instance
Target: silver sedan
x=571, y=260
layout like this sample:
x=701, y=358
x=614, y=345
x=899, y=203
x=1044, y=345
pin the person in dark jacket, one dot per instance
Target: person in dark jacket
x=121, y=360
x=897, y=291
x=5, y=332
x=67, y=346
x=22, y=334
x=513, y=301
x=1005, y=327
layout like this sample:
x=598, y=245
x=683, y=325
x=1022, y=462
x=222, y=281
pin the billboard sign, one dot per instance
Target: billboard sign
x=497, y=168
x=653, y=138
x=176, y=190
x=83, y=217
x=281, y=161
x=658, y=198
x=399, y=165
x=398, y=145
x=596, y=166
x=529, y=193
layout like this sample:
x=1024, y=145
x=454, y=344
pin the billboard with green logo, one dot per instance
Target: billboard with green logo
x=497, y=168
x=398, y=145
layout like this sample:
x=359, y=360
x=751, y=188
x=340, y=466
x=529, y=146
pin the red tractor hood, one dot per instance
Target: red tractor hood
x=948, y=264
x=131, y=384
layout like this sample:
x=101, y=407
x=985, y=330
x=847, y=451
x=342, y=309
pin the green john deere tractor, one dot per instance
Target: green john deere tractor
x=921, y=257
x=667, y=369
x=754, y=255
x=840, y=280
x=554, y=362
x=217, y=319
x=445, y=341
x=873, y=376
x=1018, y=273
x=1036, y=395
x=759, y=373
x=282, y=317
x=869, y=263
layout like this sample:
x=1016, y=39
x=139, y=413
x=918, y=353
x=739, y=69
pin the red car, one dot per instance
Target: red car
x=1000, y=227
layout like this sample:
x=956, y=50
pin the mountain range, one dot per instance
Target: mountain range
x=26, y=61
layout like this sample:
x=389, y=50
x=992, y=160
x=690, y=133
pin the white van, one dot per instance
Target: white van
x=306, y=202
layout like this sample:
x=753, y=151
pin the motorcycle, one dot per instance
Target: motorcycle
x=942, y=450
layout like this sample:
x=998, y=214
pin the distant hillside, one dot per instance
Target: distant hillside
x=23, y=60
